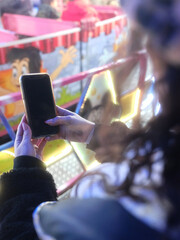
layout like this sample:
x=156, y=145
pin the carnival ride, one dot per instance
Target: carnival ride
x=57, y=47
x=68, y=161
x=75, y=58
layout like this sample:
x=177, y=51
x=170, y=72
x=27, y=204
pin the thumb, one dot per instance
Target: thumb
x=27, y=132
x=66, y=120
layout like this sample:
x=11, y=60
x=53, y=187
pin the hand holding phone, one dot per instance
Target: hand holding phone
x=39, y=103
x=24, y=145
x=72, y=127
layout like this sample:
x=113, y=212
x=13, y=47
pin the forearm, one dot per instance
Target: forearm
x=22, y=190
x=28, y=176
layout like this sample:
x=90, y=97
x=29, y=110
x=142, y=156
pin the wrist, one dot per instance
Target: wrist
x=90, y=134
x=26, y=161
x=24, y=154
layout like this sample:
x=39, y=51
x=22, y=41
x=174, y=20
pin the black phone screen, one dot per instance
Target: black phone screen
x=39, y=103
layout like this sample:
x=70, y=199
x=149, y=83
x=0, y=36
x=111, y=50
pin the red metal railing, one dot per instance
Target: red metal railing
x=13, y=97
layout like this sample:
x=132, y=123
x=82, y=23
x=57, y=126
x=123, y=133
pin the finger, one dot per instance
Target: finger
x=66, y=120
x=39, y=140
x=63, y=112
x=19, y=134
x=36, y=141
x=27, y=134
x=24, y=119
x=52, y=138
x=41, y=146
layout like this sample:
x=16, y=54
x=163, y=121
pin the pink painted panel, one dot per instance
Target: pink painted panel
x=33, y=26
x=7, y=36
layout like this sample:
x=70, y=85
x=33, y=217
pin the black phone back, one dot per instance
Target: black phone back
x=39, y=103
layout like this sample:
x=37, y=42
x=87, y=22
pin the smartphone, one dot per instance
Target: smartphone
x=38, y=98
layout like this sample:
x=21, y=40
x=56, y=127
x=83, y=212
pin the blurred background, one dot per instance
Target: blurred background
x=98, y=67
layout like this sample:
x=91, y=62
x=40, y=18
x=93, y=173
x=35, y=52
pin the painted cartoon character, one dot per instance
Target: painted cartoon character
x=24, y=61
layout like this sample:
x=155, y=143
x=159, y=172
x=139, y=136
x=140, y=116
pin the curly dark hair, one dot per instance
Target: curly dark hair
x=159, y=18
x=163, y=132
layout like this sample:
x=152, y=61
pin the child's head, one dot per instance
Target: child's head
x=48, y=2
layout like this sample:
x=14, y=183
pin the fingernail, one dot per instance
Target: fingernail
x=48, y=121
x=25, y=127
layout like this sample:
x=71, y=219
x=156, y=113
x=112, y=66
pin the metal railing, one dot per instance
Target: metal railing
x=13, y=97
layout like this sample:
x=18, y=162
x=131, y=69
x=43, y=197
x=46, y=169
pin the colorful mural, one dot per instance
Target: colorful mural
x=29, y=60
x=60, y=54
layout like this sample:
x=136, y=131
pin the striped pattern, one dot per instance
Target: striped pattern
x=141, y=57
x=49, y=42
